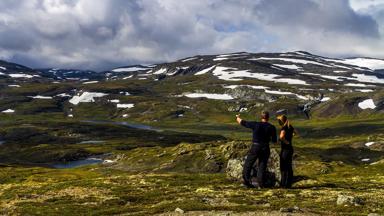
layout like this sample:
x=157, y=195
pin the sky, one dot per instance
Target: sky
x=104, y=34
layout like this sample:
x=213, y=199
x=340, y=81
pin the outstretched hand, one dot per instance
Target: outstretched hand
x=238, y=119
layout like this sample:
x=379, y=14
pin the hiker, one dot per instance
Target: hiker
x=263, y=133
x=286, y=134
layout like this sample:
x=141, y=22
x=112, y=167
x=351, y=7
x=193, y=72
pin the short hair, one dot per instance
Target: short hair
x=265, y=115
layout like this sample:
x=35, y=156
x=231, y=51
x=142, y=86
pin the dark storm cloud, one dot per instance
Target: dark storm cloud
x=100, y=33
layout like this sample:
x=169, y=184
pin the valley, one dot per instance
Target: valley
x=144, y=140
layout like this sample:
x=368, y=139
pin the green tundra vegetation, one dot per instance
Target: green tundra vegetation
x=170, y=152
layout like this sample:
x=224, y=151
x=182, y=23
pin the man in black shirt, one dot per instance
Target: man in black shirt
x=263, y=133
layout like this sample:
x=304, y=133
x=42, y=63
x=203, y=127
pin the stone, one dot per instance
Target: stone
x=209, y=154
x=295, y=209
x=267, y=205
x=234, y=149
x=374, y=214
x=179, y=210
x=286, y=210
x=234, y=169
x=348, y=200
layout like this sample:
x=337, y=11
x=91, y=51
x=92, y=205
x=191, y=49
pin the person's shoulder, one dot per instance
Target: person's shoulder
x=271, y=125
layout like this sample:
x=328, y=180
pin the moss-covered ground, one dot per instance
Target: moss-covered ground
x=181, y=162
x=157, y=176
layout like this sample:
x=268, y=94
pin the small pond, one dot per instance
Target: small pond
x=78, y=163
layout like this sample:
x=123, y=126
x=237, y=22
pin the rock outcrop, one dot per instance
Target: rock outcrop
x=235, y=168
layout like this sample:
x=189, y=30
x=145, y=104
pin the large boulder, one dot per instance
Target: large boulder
x=235, y=168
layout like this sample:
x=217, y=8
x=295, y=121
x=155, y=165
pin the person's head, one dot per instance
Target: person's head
x=283, y=120
x=265, y=116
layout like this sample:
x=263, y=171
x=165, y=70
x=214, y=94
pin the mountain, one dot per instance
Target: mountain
x=127, y=72
x=71, y=74
x=293, y=68
x=11, y=73
x=241, y=81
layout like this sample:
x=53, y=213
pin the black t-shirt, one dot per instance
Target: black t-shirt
x=288, y=134
x=263, y=132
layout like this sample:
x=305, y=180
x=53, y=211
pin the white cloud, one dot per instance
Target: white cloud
x=358, y=5
x=101, y=34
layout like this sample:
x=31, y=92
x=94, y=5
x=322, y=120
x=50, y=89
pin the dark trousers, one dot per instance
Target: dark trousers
x=260, y=152
x=286, y=167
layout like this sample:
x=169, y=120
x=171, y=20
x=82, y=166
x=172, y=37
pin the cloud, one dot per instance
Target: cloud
x=100, y=34
x=320, y=15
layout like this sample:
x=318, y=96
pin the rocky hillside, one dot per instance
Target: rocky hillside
x=162, y=139
x=237, y=82
x=11, y=73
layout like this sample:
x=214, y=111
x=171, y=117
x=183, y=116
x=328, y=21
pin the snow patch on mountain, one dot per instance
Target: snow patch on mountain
x=209, y=96
x=8, y=111
x=358, y=85
x=124, y=93
x=205, y=70
x=86, y=97
x=249, y=86
x=291, y=67
x=373, y=64
x=41, y=97
x=232, y=74
x=90, y=82
x=3, y=68
x=130, y=69
x=298, y=61
x=325, y=99
x=63, y=95
x=128, y=77
x=220, y=59
x=125, y=106
x=189, y=59
x=368, y=78
x=160, y=71
x=232, y=54
x=21, y=75
x=114, y=101
x=364, y=90
x=367, y=104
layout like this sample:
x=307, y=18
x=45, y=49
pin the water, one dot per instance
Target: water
x=132, y=125
x=93, y=160
x=78, y=163
x=92, y=142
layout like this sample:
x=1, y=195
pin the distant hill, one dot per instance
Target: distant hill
x=241, y=81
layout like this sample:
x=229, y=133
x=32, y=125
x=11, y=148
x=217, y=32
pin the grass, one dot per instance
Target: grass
x=181, y=166
x=102, y=191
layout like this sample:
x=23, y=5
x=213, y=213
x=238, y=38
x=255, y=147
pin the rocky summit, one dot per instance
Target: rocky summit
x=162, y=139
